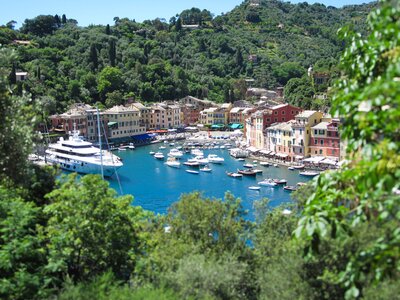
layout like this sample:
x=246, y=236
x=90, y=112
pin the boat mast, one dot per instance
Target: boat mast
x=101, y=151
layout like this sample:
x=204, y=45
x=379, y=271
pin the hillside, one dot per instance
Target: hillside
x=271, y=41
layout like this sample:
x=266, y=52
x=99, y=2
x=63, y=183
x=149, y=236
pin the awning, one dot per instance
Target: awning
x=236, y=126
x=253, y=149
x=218, y=126
x=141, y=137
x=314, y=159
x=272, y=153
x=266, y=152
x=328, y=161
x=282, y=155
x=111, y=123
x=299, y=157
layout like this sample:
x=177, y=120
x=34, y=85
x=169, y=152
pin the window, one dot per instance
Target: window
x=283, y=119
x=283, y=112
x=320, y=151
x=316, y=142
x=322, y=142
x=315, y=131
x=276, y=119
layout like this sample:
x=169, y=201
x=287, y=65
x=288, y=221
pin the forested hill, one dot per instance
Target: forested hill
x=194, y=53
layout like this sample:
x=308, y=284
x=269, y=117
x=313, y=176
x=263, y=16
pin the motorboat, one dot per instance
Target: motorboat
x=172, y=144
x=264, y=163
x=206, y=169
x=159, y=155
x=301, y=183
x=173, y=162
x=267, y=182
x=290, y=188
x=255, y=188
x=131, y=146
x=162, y=147
x=309, y=173
x=258, y=171
x=234, y=175
x=215, y=159
x=290, y=168
x=280, y=181
x=222, y=147
x=152, y=153
x=192, y=172
x=191, y=163
x=121, y=149
x=247, y=172
x=175, y=153
x=248, y=165
x=197, y=152
x=81, y=156
x=299, y=167
x=200, y=159
x=238, y=153
x=240, y=159
x=275, y=165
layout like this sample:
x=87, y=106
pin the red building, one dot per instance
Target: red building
x=325, y=139
x=279, y=114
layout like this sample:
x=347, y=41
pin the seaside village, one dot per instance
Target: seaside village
x=269, y=129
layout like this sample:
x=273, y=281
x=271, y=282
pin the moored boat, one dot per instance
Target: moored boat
x=280, y=181
x=159, y=155
x=173, y=162
x=192, y=172
x=248, y=165
x=309, y=173
x=290, y=168
x=299, y=167
x=234, y=175
x=290, y=188
x=175, y=153
x=267, y=182
x=215, y=159
x=264, y=163
x=248, y=172
x=255, y=188
x=206, y=169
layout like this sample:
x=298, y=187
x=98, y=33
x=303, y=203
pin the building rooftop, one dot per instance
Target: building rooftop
x=121, y=109
x=306, y=114
x=322, y=125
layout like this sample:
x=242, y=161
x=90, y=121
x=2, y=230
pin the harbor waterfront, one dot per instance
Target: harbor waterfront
x=155, y=186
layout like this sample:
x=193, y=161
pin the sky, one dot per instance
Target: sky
x=88, y=12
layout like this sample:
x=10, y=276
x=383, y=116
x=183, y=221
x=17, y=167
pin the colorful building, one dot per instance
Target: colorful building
x=302, y=132
x=325, y=140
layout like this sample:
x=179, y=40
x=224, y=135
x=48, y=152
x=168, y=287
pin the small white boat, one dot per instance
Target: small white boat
x=162, y=147
x=121, y=149
x=222, y=147
x=175, y=153
x=248, y=165
x=234, y=175
x=159, y=155
x=299, y=167
x=240, y=159
x=301, y=183
x=275, y=165
x=197, y=152
x=215, y=159
x=200, y=159
x=192, y=171
x=152, y=153
x=191, y=163
x=264, y=163
x=290, y=168
x=290, y=188
x=131, y=146
x=173, y=163
x=309, y=173
x=206, y=169
x=255, y=161
x=280, y=181
x=256, y=188
x=257, y=171
x=172, y=144
x=267, y=182
x=165, y=142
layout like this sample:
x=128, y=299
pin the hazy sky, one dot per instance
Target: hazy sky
x=102, y=12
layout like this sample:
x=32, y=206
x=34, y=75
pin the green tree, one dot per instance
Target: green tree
x=93, y=59
x=112, y=52
x=109, y=80
x=366, y=190
x=90, y=230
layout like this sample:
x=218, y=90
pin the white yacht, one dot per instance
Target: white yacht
x=80, y=156
x=197, y=152
x=172, y=162
x=175, y=153
x=213, y=158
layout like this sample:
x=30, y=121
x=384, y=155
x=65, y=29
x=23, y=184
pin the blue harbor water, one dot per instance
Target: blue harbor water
x=155, y=186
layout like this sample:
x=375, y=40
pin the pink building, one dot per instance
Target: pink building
x=325, y=140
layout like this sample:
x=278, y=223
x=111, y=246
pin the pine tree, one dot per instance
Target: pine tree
x=57, y=21
x=178, y=24
x=13, y=77
x=93, y=57
x=63, y=19
x=38, y=73
x=112, y=52
x=108, y=30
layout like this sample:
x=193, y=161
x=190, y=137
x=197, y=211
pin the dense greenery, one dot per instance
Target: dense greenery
x=155, y=60
x=76, y=239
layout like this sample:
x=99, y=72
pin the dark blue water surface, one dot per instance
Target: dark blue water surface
x=155, y=186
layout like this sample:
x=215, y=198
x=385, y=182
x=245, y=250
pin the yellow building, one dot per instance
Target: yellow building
x=123, y=122
x=302, y=132
x=216, y=115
